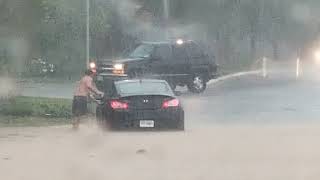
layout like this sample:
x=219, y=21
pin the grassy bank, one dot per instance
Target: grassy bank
x=35, y=111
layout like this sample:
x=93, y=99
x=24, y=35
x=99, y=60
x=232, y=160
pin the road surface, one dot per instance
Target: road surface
x=244, y=128
x=250, y=99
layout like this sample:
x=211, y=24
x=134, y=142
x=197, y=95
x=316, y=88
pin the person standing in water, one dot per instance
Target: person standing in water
x=80, y=98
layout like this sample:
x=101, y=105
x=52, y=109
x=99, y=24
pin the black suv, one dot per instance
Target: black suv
x=180, y=63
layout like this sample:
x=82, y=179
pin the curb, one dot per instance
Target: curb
x=226, y=77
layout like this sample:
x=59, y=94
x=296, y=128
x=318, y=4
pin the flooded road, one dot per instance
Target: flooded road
x=216, y=152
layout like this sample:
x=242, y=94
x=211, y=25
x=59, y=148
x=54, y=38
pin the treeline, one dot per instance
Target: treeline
x=237, y=31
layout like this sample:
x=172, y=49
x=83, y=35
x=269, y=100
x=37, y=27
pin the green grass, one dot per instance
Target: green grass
x=35, y=111
x=38, y=107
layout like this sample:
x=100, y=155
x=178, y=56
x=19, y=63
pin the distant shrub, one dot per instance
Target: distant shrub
x=48, y=107
x=15, y=109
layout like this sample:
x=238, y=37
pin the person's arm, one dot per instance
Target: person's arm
x=92, y=88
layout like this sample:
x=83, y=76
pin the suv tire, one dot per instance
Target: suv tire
x=197, y=84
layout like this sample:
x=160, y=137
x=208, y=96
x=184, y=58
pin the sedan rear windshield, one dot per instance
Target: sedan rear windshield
x=143, y=88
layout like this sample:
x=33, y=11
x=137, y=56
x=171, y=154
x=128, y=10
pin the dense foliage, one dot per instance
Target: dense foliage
x=237, y=30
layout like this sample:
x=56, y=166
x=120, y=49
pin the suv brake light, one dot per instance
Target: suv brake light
x=118, y=105
x=170, y=103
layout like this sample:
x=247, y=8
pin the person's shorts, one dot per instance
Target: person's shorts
x=79, y=106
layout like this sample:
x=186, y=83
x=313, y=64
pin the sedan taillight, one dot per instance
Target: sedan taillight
x=170, y=103
x=118, y=105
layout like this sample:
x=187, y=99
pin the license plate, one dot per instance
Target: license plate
x=147, y=123
x=99, y=78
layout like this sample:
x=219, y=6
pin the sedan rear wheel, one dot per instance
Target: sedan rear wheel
x=180, y=122
x=181, y=125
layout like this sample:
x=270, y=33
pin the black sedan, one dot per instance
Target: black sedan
x=141, y=104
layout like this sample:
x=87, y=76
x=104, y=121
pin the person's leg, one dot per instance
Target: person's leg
x=76, y=112
x=81, y=111
x=75, y=122
x=84, y=110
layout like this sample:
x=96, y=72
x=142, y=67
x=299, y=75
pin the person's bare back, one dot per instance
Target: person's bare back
x=83, y=87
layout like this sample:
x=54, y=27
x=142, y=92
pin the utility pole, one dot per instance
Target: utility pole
x=166, y=13
x=88, y=34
